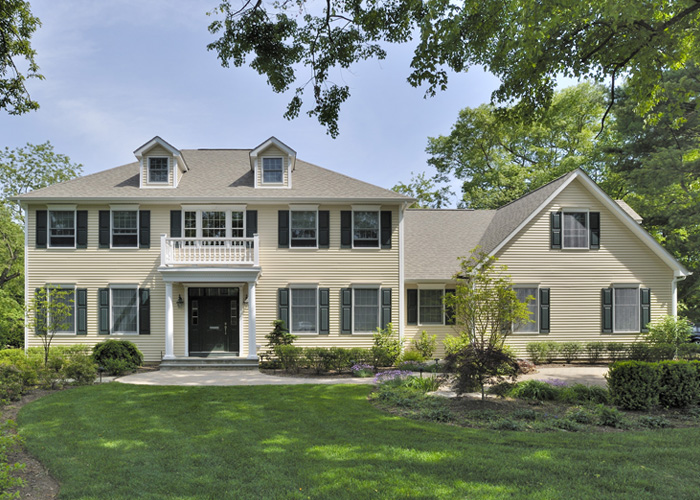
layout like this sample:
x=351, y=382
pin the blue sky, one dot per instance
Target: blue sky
x=119, y=72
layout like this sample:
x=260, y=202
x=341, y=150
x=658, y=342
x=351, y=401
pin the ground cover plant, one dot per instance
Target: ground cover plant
x=319, y=441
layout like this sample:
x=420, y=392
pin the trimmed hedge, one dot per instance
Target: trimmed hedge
x=117, y=356
x=639, y=385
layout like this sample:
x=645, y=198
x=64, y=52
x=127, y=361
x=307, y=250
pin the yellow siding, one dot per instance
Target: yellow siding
x=160, y=152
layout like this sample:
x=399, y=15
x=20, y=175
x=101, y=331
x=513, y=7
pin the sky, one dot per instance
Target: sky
x=120, y=72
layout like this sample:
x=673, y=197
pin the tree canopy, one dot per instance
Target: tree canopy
x=17, y=25
x=527, y=44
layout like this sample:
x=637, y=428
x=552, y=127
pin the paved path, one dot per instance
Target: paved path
x=588, y=375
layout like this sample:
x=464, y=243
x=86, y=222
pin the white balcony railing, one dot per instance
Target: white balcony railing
x=209, y=251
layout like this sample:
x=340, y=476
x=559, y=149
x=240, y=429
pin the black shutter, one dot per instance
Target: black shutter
x=81, y=310
x=144, y=311
x=283, y=307
x=283, y=229
x=449, y=311
x=324, y=231
x=82, y=229
x=144, y=229
x=345, y=310
x=412, y=307
x=645, y=302
x=40, y=311
x=176, y=224
x=103, y=229
x=103, y=309
x=385, y=228
x=251, y=223
x=323, y=311
x=556, y=230
x=594, y=223
x=41, y=223
x=607, y=310
x=386, y=306
x=544, y=310
x=345, y=229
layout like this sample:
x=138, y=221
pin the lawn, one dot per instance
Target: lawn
x=117, y=441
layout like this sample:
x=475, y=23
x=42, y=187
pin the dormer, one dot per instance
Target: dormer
x=162, y=165
x=272, y=163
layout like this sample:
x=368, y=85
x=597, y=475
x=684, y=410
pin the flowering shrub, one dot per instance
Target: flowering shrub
x=391, y=377
x=555, y=382
x=362, y=370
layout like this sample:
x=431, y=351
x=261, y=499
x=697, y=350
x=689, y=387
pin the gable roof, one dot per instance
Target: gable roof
x=503, y=225
x=216, y=175
x=272, y=141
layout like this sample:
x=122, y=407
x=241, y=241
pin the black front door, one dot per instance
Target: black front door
x=213, y=321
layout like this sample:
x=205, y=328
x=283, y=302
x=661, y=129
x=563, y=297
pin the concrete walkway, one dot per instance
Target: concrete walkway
x=589, y=375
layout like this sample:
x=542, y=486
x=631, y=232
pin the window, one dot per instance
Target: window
x=213, y=224
x=532, y=305
x=125, y=228
x=365, y=229
x=304, y=310
x=430, y=307
x=237, y=225
x=626, y=310
x=366, y=310
x=124, y=310
x=62, y=228
x=158, y=170
x=303, y=228
x=575, y=229
x=272, y=171
x=64, y=296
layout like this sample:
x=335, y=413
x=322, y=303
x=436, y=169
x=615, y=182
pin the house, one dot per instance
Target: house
x=193, y=253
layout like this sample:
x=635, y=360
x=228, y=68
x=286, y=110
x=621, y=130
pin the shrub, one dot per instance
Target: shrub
x=506, y=424
x=584, y=394
x=679, y=383
x=475, y=367
x=616, y=351
x=129, y=355
x=580, y=415
x=358, y=355
x=633, y=385
x=525, y=414
x=387, y=346
x=362, y=370
x=9, y=440
x=536, y=351
x=640, y=351
x=11, y=383
x=316, y=359
x=425, y=344
x=289, y=356
x=391, y=378
x=609, y=417
x=534, y=389
x=501, y=389
x=424, y=384
x=653, y=421
x=80, y=368
x=414, y=356
x=669, y=330
x=689, y=351
x=551, y=351
x=570, y=350
x=594, y=351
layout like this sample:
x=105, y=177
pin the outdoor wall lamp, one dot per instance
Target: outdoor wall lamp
x=180, y=302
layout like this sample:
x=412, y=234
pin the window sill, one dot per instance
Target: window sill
x=306, y=334
x=363, y=334
x=120, y=334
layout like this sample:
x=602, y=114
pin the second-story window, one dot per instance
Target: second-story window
x=365, y=229
x=272, y=171
x=575, y=229
x=158, y=170
x=125, y=228
x=237, y=225
x=62, y=228
x=213, y=224
x=303, y=228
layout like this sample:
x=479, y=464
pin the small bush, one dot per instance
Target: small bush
x=506, y=424
x=81, y=369
x=412, y=356
x=609, y=417
x=358, y=355
x=567, y=424
x=594, y=351
x=616, y=351
x=536, y=351
x=640, y=351
x=689, y=351
x=653, y=422
x=362, y=370
x=9, y=440
x=570, y=350
x=671, y=331
x=290, y=357
x=527, y=414
x=435, y=414
x=124, y=350
x=11, y=383
x=424, y=384
x=314, y=358
x=425, y=345
x=679, y=384
x=633, y=385
x=387, y=346
x=534, y=389
x=580, y=415
x=501, y=389
x=551, y=351
x=584, y=394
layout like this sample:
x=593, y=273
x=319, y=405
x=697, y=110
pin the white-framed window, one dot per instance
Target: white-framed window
x=273, y=170
x=575, y=229
x=529, y=294
x=430, y=306
x=125, y=228
x=365, y=228
x=213, y=224
x=124, y=309
x=303, y=225
x=158, y=170
x=304, y=310
x=62, y=228
x=67, y=298
x=237, y=224
x=365, y=310
x=626, y=313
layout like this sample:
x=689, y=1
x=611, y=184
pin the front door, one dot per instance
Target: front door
x=213, y=321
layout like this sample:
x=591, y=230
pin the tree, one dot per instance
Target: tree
x=499, y=159
x=526, y=43
x=17, y=24
x=485, y=308
x=11, y=281
x=50, y=311
x=426, y=191
x=32, y=167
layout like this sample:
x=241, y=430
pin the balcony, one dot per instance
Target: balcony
x=209, y=251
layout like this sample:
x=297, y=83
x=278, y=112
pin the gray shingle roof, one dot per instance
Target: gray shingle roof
x=217, y=175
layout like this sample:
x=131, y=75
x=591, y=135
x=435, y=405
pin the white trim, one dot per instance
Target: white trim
x=297, y=209
x=638, y=308
x=252, y=340
x=272, y=141
x=156, y=140
x=170, y=172
x=536, y=286
x=565, y=211
x=111, y=226
x=169, y=322
x=306, y=286
x=62, y=287
x=402, y=280
x=228, y=218
x=122, y=286
x=241, y=207
x=442, y=305
x=26, y=269
x=355, y=287
x=379, y=227
x=75, y=228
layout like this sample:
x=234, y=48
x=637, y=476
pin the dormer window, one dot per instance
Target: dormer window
x=273, y=172
x=158, y=170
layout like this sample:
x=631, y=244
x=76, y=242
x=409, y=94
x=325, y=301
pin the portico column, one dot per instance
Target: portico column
x=252, y=349
x=169, y=321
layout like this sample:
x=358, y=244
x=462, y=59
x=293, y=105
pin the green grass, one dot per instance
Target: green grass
x=117, y=441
